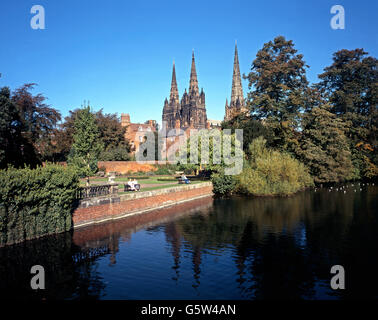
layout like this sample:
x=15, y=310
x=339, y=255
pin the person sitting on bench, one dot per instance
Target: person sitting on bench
x=185, y=179
x=130, y=183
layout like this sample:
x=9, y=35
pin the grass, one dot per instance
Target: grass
x=150, y=180
x=158, y=187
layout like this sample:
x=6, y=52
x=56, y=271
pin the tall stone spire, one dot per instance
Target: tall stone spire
x=193, y=84
x=174, y=96
x=237, y=89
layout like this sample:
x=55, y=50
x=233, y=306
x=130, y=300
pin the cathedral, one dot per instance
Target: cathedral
x=237, y=103
x=190, y=112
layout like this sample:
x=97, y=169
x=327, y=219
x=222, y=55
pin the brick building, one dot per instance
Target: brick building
x=135, y=132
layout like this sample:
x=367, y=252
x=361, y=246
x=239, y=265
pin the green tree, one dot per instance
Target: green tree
x=324, y=148
x=211, y=155
x=111, y=133
x=279, y=86
x=270, y=172
x=252, y=129
x=38, y=119
x=15, y=150
x=351, y=85
x=86, y=146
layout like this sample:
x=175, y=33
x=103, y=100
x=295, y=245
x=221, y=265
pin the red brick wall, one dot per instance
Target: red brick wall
x=124, y=227
x=121, y=166
x=125, y=166
x=100, y=212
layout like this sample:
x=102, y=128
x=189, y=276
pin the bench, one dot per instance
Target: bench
x=180, y=181
x=128, y=188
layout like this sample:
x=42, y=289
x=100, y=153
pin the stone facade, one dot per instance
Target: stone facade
x=190, y=112
x=237, y=103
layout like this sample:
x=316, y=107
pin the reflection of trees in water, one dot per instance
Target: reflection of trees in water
x=284, y=246
x=281, y=247
x=174, y=238
x=64, y=277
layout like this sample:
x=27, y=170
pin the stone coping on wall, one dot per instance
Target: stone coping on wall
x=105, y=208
x=144, y=194
x=116, y=198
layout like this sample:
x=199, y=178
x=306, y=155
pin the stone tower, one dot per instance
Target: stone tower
x=191, y=111
x=237, y=103
x=171, y=110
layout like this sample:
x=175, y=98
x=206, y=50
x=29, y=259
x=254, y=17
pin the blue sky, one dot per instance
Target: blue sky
x=118, y=54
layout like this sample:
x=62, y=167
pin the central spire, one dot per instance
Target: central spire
x=174, y=96
x=237, y=89
x=193, y=84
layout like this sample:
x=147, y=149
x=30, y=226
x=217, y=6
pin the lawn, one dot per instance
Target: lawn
x=157, y=187
x=150, y=180
x=153, y=181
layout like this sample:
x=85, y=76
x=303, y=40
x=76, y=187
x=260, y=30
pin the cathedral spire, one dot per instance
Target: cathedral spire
x=237, y=89
x=193, y=84
x=174, y=96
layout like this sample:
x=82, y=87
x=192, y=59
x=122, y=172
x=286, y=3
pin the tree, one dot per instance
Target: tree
x=211, y=151
x=279, y=88
x=63, y=138
x=10, y=131
x=351, y=85
x=324, y=148
x=111, y=134
x=15, y=150
x=86, y=146
x=252, y=129
x=38, y=120
x=270, y=172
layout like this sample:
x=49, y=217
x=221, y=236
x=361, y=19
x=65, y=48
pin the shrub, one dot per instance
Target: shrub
x=163, y=170
x=270, y=172
x=223, y=184
x=115, y=154
x=36, y=202
x=137, y=177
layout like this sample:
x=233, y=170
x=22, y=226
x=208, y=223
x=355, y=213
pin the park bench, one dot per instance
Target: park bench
x=181, y=181
x=128, y=188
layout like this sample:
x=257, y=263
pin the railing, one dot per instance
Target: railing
x=97, y=191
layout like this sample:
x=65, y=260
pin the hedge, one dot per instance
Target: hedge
x=36, y=202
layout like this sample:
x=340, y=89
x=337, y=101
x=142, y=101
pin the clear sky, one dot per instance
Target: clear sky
x=118, y=54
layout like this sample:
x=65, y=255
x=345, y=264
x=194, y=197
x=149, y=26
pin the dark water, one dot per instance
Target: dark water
x=280, y=248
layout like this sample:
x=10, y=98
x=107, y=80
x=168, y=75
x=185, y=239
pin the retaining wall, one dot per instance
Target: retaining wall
x=101, y=209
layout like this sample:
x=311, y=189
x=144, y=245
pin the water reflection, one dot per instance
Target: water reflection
x=238, y=248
